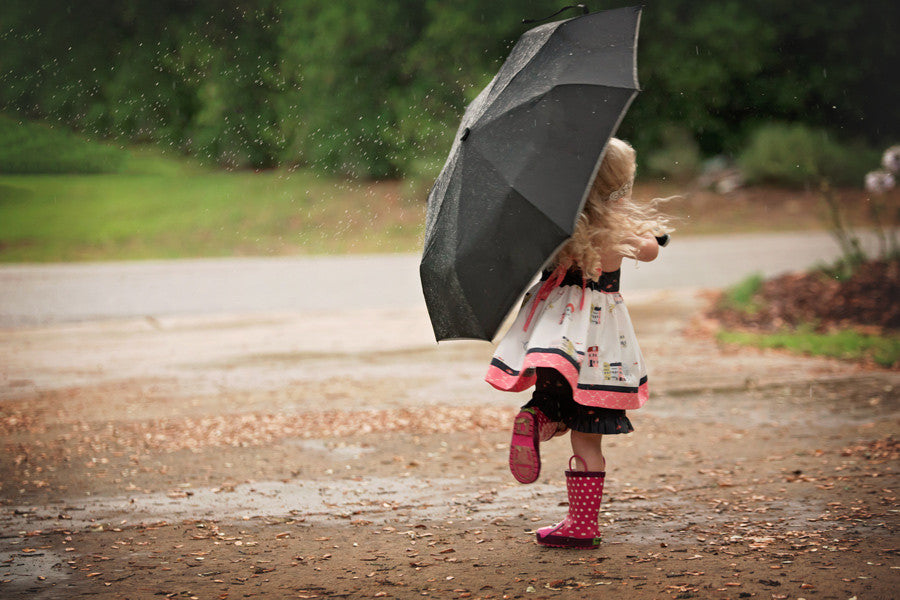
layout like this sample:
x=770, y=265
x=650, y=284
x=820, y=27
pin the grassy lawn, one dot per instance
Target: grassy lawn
x=162, y=208
x=131, y=216
x=64, y=197
x=882, y=350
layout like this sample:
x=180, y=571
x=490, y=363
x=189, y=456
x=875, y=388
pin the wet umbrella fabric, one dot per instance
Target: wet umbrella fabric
x=524, y=156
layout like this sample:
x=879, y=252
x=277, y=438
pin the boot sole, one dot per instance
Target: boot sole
x=569, y=542
x=524, y=448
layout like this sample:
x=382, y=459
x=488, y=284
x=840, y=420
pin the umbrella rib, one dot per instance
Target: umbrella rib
x=488, y=120
x=517, y=73
x=512, y=186
x=523, y=68
x=559, y=28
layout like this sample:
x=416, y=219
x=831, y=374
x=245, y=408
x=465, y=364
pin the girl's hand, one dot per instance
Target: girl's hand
x=646, y=248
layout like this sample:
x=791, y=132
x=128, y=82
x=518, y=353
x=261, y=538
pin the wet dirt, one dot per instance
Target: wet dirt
x=247, y=457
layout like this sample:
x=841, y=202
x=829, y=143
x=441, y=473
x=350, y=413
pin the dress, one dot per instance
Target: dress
x=581, y=329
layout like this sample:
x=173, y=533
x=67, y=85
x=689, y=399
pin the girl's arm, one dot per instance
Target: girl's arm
x=646, y=248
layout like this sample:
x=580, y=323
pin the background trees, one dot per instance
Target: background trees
x=376, y=89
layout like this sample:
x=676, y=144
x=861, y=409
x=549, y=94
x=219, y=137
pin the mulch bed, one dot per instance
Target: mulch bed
x=868, y=300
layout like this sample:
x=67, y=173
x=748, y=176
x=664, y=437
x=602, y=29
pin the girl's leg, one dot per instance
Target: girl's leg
x=548, y=387
x=587, y=446
x=584, y=488
x=537, y=422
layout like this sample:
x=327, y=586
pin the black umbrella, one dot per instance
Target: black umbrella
x=519, y=170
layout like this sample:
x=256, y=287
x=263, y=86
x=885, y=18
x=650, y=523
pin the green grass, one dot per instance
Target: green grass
x=883, y=350
x=740, y=297
x=27, y=147
x=132, y=216
x=31, y=148
x=64, y=197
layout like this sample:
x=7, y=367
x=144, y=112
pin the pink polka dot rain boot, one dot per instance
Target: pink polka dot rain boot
x=579, y=529
x=530, y=428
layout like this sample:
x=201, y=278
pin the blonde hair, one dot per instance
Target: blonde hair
x=611, y=222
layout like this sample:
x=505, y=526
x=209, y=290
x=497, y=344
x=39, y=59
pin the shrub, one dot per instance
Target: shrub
x=27, y=148
x=799, y=155
x=677, y=158
x=420, y=177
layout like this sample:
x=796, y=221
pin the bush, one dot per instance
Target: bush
x=27, y=148
x=678, y=157
x=366, y=88
x=419, y=179
x=798, y=155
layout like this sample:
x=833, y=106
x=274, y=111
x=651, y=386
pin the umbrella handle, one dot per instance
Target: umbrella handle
x=584, y=10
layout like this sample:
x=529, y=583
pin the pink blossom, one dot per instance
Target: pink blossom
x=891, y=159
x=879, y=182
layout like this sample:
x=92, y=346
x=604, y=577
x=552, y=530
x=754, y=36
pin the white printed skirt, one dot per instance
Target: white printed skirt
x=582, y=329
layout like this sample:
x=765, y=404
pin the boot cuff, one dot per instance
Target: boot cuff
x=585, y=473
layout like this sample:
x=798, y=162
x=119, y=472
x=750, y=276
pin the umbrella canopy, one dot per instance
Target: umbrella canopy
x=523, y=160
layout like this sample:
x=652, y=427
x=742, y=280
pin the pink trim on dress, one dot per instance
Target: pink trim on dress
x=508, y=382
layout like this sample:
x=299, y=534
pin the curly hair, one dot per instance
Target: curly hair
x=611, y=222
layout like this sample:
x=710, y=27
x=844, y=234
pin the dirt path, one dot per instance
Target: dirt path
x=235, y=457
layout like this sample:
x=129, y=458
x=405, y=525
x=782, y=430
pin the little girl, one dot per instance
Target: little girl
x=574, y=341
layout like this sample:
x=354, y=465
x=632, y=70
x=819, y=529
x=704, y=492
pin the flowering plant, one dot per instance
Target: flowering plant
x=880, y=183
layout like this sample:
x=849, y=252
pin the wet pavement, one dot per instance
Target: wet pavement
x=340, y=452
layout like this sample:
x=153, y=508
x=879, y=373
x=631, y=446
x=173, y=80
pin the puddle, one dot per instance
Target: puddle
x=373, y=498
x=29, y=572
x=673, y=518
x=337, y=450
x=381, y=500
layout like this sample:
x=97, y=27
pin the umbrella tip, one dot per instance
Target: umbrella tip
x=584, y=10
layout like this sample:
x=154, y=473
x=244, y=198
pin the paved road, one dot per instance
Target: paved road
x=39, y=294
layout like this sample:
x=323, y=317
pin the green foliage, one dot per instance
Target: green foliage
x=33, y=148
x=155, y=211
x=883, y=350
x=799, y=155
x=419, y=178
x=678, y=156
x=385, y=88
x=741, y=296
x=370, y=89
x=37, y=148
x=202, y=78
x=693, y=76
